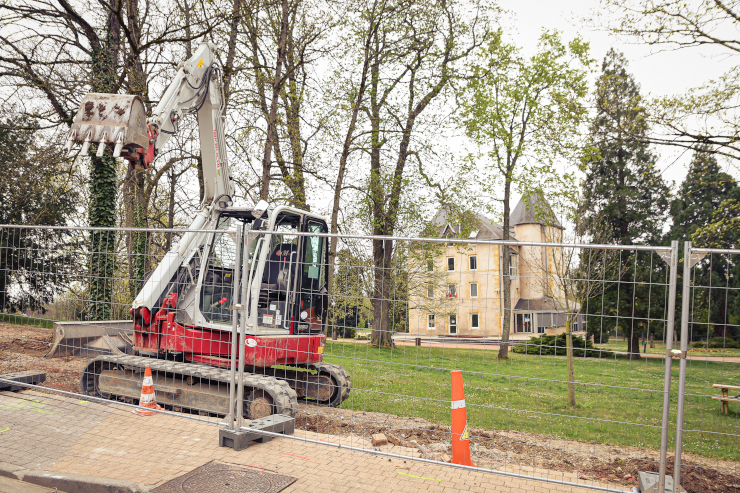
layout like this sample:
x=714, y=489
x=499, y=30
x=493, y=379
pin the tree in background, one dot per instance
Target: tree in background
x=36, y=189
x=524, y=114
x=705, y=115
x=624, y=199
x=702, y=204
x=415, y=56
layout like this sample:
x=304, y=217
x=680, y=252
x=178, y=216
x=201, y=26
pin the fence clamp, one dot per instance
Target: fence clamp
x=676, y=353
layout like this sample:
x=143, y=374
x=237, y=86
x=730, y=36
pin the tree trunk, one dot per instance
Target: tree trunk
x=382, y=333
x=503, y=352
x=720, y=325
x=633, y=344
x=103, y=183
x=569, y=358
x=272, y=117
x=333, y=241
x=140, y=237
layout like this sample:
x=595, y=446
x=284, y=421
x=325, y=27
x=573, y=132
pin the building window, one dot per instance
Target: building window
x=453, y=324
x=451, y=291
x=430, y=321
x=513, y=266
x=430, y=265
x=474, y=322
x=450, y=264
x=473, y=262
x=473, y=289
x=430, y=290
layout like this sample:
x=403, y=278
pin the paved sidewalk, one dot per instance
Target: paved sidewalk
x=55, y=433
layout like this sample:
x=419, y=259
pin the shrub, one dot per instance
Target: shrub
x=721, y=342
x=600, y=335
x=555, y=345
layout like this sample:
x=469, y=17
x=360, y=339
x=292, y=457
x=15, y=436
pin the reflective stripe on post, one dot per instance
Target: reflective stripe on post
x=458, y=404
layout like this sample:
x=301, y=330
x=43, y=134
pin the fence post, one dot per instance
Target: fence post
x=688, y=262
x=671, y=316
x=236, y=308
x=245, y=309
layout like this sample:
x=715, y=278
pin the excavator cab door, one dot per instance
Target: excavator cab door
x=312, y=294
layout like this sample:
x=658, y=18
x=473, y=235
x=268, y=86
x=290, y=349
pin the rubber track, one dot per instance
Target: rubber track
x=339, y=374
x=284, y=398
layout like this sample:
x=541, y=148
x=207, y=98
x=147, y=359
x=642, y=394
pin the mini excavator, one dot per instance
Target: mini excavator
x=184, y=314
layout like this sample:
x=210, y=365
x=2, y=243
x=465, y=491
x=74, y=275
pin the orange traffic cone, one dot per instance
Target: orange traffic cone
x=147, y=394
x=460, y=437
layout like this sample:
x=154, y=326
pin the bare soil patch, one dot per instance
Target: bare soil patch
x=23, y=347
x=588, y=461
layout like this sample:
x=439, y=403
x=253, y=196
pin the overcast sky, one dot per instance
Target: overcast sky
x=658, y=73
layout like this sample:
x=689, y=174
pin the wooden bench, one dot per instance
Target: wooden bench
x=725, y=397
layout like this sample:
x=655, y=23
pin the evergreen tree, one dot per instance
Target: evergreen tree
x=35, y=189
x=625, y=201
x=703, y=201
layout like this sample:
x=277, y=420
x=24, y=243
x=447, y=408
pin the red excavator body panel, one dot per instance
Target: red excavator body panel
x=213, y=347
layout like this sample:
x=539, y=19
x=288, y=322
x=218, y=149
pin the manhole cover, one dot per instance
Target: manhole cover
x=215, y=477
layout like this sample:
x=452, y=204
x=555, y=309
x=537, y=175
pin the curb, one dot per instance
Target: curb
x=71, y=483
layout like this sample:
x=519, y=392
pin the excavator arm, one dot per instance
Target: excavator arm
x=118, y=122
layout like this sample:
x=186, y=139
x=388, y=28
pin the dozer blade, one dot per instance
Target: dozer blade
x=91, y=339
x=118, y=120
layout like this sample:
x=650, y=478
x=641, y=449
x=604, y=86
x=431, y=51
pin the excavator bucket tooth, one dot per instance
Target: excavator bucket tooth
x=115, y=120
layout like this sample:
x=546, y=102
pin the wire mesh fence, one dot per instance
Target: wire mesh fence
x=562, y=347
x=709, y=383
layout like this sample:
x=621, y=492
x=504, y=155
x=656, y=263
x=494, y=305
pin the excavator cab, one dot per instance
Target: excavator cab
x=291, y=268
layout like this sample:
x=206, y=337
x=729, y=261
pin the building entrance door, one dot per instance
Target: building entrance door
x=453, y=324
x=524, y=322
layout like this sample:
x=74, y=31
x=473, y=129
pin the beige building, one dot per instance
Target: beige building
x=459, y=287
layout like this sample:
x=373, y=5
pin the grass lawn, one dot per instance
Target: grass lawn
x=619, y=401
x=46, y=323
x=659, y=348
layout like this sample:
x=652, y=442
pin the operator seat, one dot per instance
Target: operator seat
x=217, y=290
x=279, y=265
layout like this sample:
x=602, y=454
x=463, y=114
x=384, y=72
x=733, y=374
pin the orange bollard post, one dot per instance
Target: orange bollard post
x=460, y=437
x=148, y=398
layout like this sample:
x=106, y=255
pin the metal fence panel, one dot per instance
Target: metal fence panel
x=707, y=422
x=581, y=398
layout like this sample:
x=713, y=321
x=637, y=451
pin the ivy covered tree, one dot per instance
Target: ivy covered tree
x=702, y=212
x=625, y=201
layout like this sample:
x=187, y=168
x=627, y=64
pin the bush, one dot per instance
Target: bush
x=720, y=343
x=555, y=346
x=599, y=334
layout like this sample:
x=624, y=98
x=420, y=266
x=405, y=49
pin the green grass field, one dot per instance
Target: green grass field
x=659, y=348
x=619, y=402
x=46, y=323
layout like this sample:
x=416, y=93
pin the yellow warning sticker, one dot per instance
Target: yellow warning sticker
x=200, y=63
x=321, y=350
x=465, y=435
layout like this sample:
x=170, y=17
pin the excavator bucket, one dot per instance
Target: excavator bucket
x=118, y=120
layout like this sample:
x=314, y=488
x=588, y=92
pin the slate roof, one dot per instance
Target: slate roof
x=536, y=210
x=487, y=230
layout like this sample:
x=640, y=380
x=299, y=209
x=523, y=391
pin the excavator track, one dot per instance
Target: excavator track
x=338, y=375
x=186, y=386
x=321, y=384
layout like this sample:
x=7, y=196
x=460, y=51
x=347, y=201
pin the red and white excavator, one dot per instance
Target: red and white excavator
x=184, y=315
